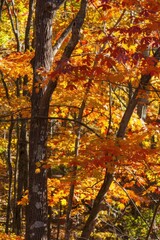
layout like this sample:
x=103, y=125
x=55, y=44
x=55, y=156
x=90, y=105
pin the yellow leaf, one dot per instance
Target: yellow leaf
x=63, y=202
x=79, y=51
x=37, y=170
x=82, y=196
x=121, y=206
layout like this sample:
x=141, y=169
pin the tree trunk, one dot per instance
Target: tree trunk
x=89, y=225
x=10, y=173
x=88, y=228
x=37, y=212
x=22, y=178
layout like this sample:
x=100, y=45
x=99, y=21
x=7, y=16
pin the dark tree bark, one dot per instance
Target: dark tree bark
x=37, y=213
x=8, y=160
x=22, y=178
x=10, y=174
x=28, y=26
x=22, y=157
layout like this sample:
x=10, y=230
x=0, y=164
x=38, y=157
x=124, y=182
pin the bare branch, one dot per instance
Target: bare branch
x=56, y=118
x=132, y=201
x=28, y=26
x=152, y=223
x=14, y=22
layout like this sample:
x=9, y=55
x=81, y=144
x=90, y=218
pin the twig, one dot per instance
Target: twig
x=152, y=223
x=14, y=23
x=28, y=26
x=131, y=201
x=57, y=118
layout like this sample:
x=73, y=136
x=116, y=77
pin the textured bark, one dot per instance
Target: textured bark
x=37, y=212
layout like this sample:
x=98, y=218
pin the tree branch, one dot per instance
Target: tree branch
x=61, y=39
x=152, y=223
x=28, y=26
x=120, y=134
x=14, y=23
x=134, y=100
x=76, y=26
x=56, y=118
x=131, y=201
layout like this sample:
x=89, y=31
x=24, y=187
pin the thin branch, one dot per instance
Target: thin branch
x=119, y=20
x=29, y=108
x=77, y=25
x=4, y=85
x=61, y=39
x=10, y=174
x=152, y=223
x=155, y=90
x=154, y=215
x=110, y=110
x=1, y=7
x=56, y=118
x=144, y=81
x=28, y=26
x=115, y=25
x=74, y=169
x=14, y=22
x=118, y=96
x=131, y=201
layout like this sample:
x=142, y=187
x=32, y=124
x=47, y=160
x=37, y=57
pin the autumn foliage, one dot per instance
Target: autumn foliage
x=103, y=119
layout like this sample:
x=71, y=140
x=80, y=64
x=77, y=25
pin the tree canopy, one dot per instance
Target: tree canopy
x=79, y=119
